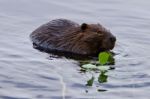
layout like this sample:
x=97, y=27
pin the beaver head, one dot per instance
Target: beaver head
x=88, y=39
x=98, y=36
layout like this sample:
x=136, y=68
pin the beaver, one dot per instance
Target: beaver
x=66, y=36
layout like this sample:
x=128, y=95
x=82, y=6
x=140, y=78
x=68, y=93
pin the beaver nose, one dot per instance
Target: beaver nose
x=113, y=39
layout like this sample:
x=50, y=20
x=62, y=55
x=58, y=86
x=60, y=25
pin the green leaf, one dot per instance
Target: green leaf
x=103, y=68
x=89, y=66
x=102, y=77
x=90, y=81
x=104, y=57
x=111, y=60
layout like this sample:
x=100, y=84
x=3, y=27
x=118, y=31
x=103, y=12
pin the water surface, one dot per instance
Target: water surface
x=26, y=73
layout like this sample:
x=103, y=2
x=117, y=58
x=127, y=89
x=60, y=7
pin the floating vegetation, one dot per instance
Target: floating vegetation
x=100, y=66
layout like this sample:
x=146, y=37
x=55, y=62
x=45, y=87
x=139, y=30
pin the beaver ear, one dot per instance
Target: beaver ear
x=84, y=26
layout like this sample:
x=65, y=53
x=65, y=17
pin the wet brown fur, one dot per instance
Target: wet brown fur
x=63, y=35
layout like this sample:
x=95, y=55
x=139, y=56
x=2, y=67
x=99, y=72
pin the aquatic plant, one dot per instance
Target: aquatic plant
x=104, y=58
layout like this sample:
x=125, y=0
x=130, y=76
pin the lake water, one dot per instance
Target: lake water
x=26, y=73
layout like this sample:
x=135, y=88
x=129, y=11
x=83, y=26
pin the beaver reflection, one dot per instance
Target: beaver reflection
x=65, y=36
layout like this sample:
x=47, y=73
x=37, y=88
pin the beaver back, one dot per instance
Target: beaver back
x=45, y=37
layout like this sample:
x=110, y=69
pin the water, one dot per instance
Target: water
x=26, y=73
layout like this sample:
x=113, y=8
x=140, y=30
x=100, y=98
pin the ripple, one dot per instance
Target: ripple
x=7, y=97
x=26, y=73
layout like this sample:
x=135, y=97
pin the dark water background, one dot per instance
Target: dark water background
x=26, y=73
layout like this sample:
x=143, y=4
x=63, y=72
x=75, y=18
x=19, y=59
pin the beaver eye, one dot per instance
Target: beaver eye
x=99, y=32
